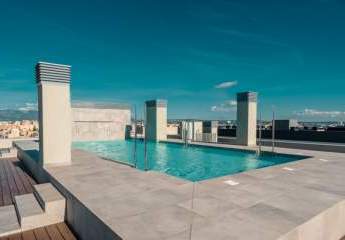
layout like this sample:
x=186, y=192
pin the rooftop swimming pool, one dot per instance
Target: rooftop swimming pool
x=194, y=163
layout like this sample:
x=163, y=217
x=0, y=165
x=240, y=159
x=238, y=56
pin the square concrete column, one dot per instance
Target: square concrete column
x=186, y=130
x=193, y=129
x=210, y=131
x=156, y=120
x=197, y=131
x=246, y=118
x=54, y=106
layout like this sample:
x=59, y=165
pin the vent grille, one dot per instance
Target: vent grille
x=156, y=103
x=247, y=97
x=51, y=72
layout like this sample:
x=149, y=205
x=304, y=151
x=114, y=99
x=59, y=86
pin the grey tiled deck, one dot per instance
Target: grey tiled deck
x=266, y=203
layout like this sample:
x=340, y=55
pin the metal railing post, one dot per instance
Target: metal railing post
x=273, y=131
x=260, y=132
x=135, y=137
x=145, y=140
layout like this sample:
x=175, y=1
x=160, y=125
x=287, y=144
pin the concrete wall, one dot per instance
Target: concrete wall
x=99, y=123
x=315, y=146
x=301, y=135
x=328, y=225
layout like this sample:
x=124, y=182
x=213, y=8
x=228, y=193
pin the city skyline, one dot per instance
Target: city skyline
x=195, y=55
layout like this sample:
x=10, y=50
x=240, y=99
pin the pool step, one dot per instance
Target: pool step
x=29, y=212
x=51, y=201
x=44, y=207
x=8, y=221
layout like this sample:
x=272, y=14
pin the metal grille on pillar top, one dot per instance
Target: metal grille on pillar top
x=247, y=97
x=51, y=72
x=156, y=103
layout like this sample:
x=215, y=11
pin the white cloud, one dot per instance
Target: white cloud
x=318, y=113
x=228, y=84
x=227, y=106
x=248, y=36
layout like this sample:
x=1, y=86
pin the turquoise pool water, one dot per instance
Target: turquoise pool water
x=192, y=163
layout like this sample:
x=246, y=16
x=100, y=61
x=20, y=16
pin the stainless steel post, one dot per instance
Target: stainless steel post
x=260, y=132
x=145, y=140
x=273, y=131
x=135, y=137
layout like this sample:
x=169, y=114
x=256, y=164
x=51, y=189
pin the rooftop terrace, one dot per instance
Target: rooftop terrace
x=291, y=201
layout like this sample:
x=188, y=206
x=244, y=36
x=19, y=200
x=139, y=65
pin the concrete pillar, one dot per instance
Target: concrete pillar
x=210, y=131
x=53, y=83
x=191, y=128
x=156, y=120
x=197, y=131
x=246, y=118
x=186, y=130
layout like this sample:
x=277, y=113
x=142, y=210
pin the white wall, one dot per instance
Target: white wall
x=99, y=124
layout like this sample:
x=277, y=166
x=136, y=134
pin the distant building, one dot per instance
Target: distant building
x=16, y=129
x=13, y=133
x=285, y=124
x=337, y=129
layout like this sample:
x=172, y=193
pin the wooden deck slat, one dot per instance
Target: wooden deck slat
x=17, y=236
x=16, y=178
x=41, y=234
x=14, y=181
x=65, y=231
x=28, y=235
x=11, y=183
x=15, y=170
x=54, y=232
x=24, y=173
x=6, y=193
x=25, y=178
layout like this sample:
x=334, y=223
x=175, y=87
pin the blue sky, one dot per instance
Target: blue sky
x=195, y=54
